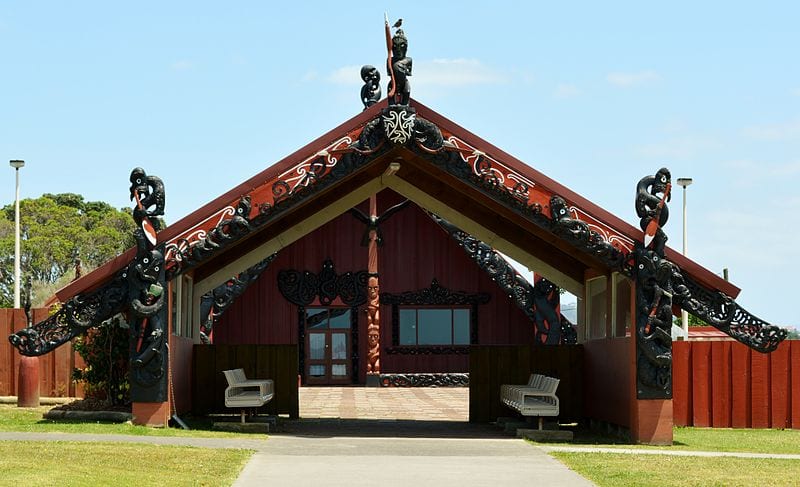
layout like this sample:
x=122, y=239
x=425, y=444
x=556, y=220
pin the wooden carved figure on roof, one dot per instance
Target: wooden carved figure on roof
x=371, y=91
x=652, y=194
x=398, y=65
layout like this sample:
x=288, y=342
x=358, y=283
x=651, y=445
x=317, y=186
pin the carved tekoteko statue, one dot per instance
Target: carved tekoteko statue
x=147, y=293
x=398, y=67
x=371, y=91
x=652, y=209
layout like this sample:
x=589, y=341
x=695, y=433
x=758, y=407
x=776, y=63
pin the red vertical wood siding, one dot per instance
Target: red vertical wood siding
x=681, y=382
x=794, y=354
x=701, y=383
x=759, y=390
x=414, y=252
x=721, y=385
x=55, y=368
x=747, y=389
x=780, y=407
x=740, y=382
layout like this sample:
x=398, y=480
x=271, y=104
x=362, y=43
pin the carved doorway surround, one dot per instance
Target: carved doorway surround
x=330, y=292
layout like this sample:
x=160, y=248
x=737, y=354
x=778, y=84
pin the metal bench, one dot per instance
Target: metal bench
x=246, y=393
x=536, y=398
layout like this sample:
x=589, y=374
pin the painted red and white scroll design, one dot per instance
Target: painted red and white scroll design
x=178, y=244
x=620, y=242
x=490, y=169
x=313, y=168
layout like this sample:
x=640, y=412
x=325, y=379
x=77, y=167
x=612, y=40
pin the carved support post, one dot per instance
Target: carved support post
x=373, y=302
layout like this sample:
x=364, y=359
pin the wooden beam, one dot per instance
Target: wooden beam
x=288, y=237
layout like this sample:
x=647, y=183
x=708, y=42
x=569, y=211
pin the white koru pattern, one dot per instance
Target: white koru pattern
x=298, y=174
x=496, y=169
x=177, y=244
x=620, y=242
x=398, y=125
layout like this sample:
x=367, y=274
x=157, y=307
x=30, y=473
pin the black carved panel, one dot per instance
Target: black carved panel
x=425, y=380
x=302, y=288
x=428, y=350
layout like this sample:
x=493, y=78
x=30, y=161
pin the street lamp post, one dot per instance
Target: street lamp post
x=684, y=183
x=16, y=164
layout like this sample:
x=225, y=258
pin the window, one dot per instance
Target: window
x=434, y=326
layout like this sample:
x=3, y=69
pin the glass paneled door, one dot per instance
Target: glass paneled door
x=328, y=345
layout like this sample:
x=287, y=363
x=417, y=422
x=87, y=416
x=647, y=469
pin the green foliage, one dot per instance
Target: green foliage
x=105, y=351
x=55, y=230
x=693, y=321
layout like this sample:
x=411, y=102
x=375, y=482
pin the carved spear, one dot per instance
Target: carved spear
x=389, y=58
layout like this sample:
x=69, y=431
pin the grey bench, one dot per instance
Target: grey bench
x=246, y=393
x=536, y=398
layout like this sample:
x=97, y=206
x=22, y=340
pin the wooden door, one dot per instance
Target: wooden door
x=328, y=349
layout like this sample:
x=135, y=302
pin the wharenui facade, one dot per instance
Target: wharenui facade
x=378, y=251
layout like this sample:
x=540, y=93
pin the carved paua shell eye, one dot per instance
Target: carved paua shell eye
x=240, y=210
x=663, y=179
x=641, y=266
x=562, y=211
x=655, y=258
x=155, y=268
x=146, y=260
x=138, y=180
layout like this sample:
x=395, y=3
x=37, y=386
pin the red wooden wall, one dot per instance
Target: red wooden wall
x=724, y=384
x=55, y=368
x=415, y=251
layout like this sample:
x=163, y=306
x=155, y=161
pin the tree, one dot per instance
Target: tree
x=55, y=230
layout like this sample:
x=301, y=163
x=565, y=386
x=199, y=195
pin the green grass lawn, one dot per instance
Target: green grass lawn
x=13, y=418
x=608, y=469
x=707, y=439
x=34, y=463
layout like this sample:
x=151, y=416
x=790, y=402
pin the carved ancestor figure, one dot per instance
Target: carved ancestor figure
x=150, y=198
x=652, y=194
x=371, y=91
x=373, y=327
x=399, y=68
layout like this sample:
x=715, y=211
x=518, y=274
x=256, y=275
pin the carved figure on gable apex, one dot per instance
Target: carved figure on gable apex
x=399, y=69
x=652, y=194
x=371, y=91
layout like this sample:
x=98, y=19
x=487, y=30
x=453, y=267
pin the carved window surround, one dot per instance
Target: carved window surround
x=436, y=295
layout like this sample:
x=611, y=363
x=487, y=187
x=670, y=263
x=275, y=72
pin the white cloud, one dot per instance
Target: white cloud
x=309, y=76
x=566, y=90
x=455, y=72
x=773, y=132
x=625, y=80
x=182, y=65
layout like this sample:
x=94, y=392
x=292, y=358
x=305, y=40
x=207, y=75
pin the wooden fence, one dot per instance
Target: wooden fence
x=55, y=368
x=276, y=362
x=724, y=384
x=490, y=366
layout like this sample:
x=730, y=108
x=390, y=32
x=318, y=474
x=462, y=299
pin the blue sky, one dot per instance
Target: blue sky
x=595, y=95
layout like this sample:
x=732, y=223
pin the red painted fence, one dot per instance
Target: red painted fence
x=55, y=368
x=724, y=384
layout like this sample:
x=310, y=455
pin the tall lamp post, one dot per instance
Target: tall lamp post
x=16, y=164
x=684, y=183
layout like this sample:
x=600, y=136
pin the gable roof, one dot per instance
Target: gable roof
x=302, y=170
